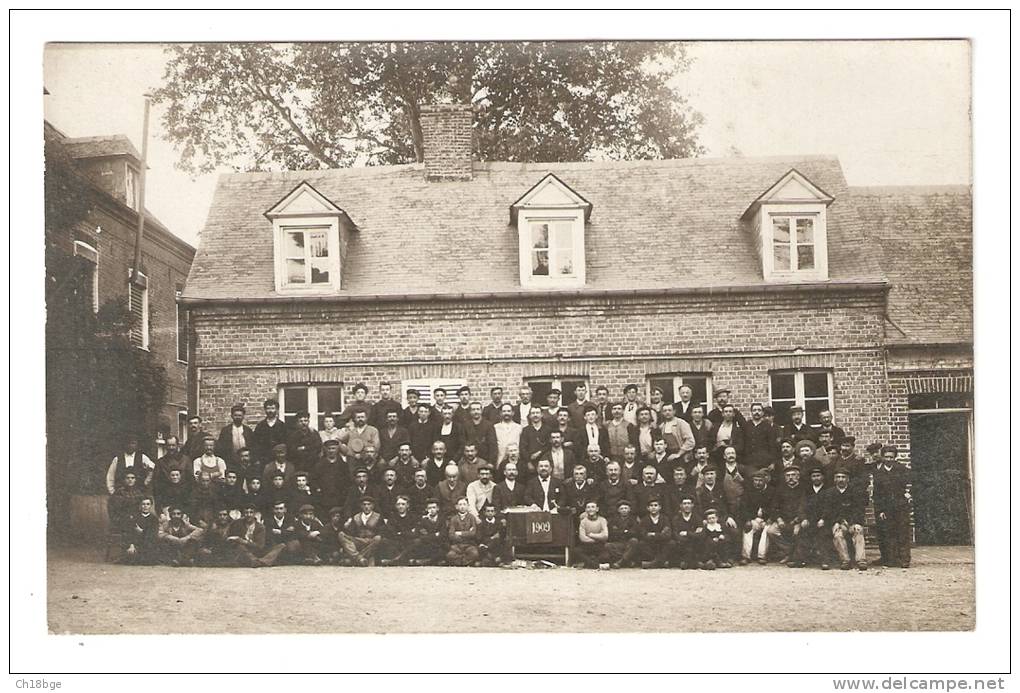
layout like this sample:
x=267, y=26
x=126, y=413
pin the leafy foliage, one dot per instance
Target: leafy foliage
x=66, y=194
x=300, y=106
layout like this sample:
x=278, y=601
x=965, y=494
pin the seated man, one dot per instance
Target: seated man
x=713, y=544
x=178, y=539
x=463, y=533
x=755, y=511
x=419, y=492
x=362, y=534
x=174, y=492
x=493, y=549
x=279, y=536
x=215, y=549
x=247, y=537
x=139, y=535
x=656, y=538
x=449, y=490
x=593, y=537
x=302, y=493
x=624, y=536
x=125, y=499
x=508, y=493
x=788, y=518
x=401, y=533
x=844, y=513
x=308, y=531
x=332, y=552
x=433, y=537
x=687, y=530
x=230, y=494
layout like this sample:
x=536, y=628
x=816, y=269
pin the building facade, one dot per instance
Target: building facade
x=744, y=273
x=105, y=243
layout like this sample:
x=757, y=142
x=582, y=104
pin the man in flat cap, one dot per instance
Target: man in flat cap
x=247, y=538
x=331, y=476
x=362, y=535
x=759, y=439
x=593, y=537
x=279, y=535
x=844, y=515
x=493, y=549
x=816, y=535
x=755, y=513
x=892, y=509
x=712, y=493
x=656, y=537
x=624, y=536
x=279, y=464
x=433, y=537
x=788, y=518
x=358, y=491
x=687, y=529
x=332, y=552
x=463, y=534
x=401, y=533
x=303, y=443
x=722, y=400
x=849, y=460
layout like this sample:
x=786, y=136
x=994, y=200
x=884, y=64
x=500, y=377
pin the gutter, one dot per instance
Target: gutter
x=750, y=289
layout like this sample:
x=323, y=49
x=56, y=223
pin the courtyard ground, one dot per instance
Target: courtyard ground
x=87, y=596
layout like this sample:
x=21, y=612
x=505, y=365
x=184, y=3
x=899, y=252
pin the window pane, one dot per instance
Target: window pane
x=295, y=399
x=295, y=271
x=540, y=389
x=294, y=242
x=329, y=399
x=564, y=263
x=805, y=231
x=563, y=236
x=666, y=385
x=782, y=411
x=816, y=385
x=320, y=270
x=540, y=235
x=699, y=390
x=812, y=408
x=783, y=386
x=317, y=244
x=781, y=229
x=781, y=257
x=805, y=257
x=540, y=262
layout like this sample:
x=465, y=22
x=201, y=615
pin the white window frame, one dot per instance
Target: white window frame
x=678, y=382
x=182, y=426
x=426, y=386
x=132, y=185
x=527, y=217
x=177, y=330
x=284, y=225
x=556, y=383
x=313, y=400
x=145, y=308
x=88, y=252
x=814, y=211
x=798, y=385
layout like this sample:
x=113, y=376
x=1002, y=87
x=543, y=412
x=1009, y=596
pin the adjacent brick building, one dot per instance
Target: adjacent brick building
x=105, y=242
x=750, y=273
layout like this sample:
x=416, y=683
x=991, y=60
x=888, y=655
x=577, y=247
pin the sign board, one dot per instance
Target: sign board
x=538, y=528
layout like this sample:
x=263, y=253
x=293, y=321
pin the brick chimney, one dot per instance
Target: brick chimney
x=446, y=135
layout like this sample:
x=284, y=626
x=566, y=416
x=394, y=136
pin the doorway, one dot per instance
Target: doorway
x=940, y=453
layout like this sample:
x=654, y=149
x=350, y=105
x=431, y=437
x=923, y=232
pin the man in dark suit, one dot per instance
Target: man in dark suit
x=613, y=489
x=410, y=412
x=759, y=439
x=479, y=431
x=844, y=515
x=491, y=410
x=603, y=407
x=451, y=433
x=522, y=410
x=269, y=432
x=729, y=432
x=234, y=436
x=391, y=436
x=797, y=430
x=534, y=437
x=544, y=491
x=576, y=408
x=892, y=509
x=422, y=432
x=303, y=444
x=579, y=491
x=591, y=433
x=825, y=424
x=379, y=413
x=510, y=492
x=359, y=490
x=722, y=400
x=683, y=406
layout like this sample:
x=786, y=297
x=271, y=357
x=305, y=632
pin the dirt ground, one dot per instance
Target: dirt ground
x=86, y=596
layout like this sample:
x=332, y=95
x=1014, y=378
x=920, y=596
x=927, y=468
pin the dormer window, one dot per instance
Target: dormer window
x=550, y=221
x=789, y=220
x=308, y=241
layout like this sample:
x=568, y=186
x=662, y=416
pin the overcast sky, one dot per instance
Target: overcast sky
x=893, y=112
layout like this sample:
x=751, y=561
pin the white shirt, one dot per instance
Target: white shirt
x=507, y=434
x=129, y=463
x=446, y=428
x=593, y=433
x=477, y=494
x=725, y=432
x=630, y=412
x=545, y=489
x=524, y=410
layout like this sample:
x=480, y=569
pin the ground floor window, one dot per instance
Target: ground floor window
x=542, y=386
x=426, y=386
x=700, y=384
x=318, y=399
x=811, y=389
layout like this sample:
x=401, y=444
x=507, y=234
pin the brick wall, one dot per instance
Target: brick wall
x=446, y=134
x=245, y=353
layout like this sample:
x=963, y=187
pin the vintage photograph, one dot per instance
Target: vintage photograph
x=509, y=337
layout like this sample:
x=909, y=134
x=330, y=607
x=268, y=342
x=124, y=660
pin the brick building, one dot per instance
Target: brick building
x=750, y=273
x=105, y=243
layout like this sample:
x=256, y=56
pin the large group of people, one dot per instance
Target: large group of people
x=648, y=485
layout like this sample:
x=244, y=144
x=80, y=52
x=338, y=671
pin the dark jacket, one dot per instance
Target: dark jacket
x=503, y=497
x=759, y=444
x=657, y=532
x=422, y=436
x=303, y=447
x=279, y=533
x=389, y=443
x=889, y=488
x=533, y=441
x=577, y=498
x=611, y=494
x=621, y=530
x=756, y=503
x=847, y=506
x=713, y=498
x=483, y=435
x=265, y=437
x=534, y=494
x=379, y=410
x=788, y=503
x=225, y=442
x=330, y=480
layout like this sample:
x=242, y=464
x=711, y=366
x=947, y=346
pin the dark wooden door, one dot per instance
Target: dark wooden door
x=939, y=453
